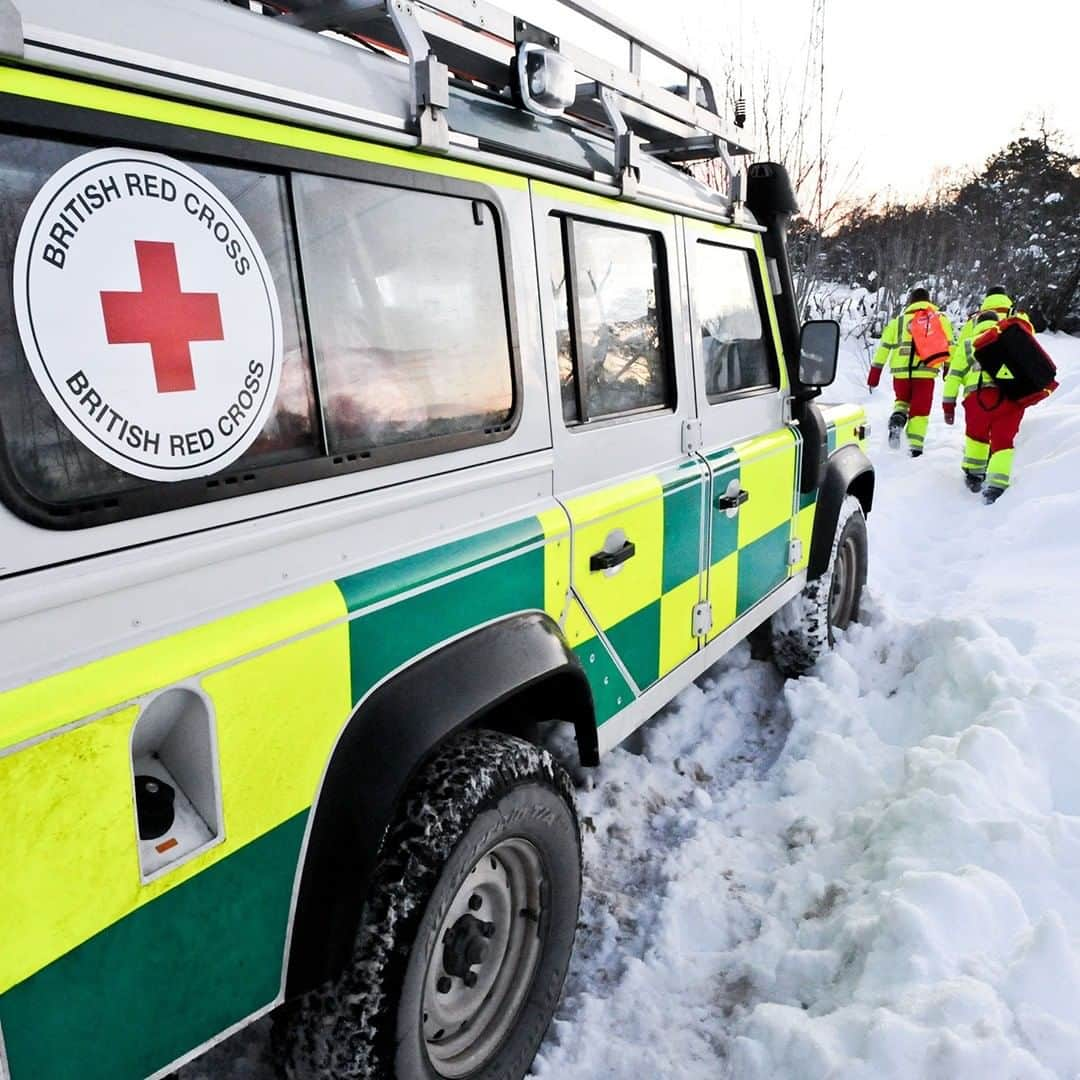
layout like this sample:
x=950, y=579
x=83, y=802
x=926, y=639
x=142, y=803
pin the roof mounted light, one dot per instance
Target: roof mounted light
x=547, y=80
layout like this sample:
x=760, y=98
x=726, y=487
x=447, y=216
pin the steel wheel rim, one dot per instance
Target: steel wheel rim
x=842, y=593
x=463, y=1026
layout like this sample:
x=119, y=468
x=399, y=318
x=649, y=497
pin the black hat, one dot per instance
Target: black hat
x=919, y=296
x=997, y=289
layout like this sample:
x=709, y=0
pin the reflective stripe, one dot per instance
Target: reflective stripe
x=997, y=480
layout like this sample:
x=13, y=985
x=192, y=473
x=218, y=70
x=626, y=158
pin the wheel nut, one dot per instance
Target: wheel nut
x=470, y=979
x=444, y=984
x=475, y=902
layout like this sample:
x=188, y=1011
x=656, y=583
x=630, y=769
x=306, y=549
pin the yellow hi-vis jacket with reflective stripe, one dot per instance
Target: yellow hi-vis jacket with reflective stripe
x=895, y=347
x=964, y=371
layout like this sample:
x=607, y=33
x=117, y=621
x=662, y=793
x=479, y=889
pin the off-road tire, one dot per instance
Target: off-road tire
x=804, y=629
x=481, y=790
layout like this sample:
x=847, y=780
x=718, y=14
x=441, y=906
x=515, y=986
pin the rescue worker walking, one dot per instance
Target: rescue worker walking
x=913, y=375
x=992, y=420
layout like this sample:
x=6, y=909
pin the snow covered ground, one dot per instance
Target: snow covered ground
x=873, y=871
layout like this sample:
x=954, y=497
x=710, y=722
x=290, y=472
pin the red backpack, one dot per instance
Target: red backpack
x=1020, y=367
x=929, y=338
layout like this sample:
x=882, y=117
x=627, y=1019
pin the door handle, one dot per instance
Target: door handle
x=732, y=501
x=608, y=560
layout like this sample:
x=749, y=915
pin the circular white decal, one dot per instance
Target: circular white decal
x=148, y=314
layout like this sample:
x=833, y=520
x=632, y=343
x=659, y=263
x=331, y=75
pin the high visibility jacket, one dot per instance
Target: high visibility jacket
x=964, y=372
x=895, y=347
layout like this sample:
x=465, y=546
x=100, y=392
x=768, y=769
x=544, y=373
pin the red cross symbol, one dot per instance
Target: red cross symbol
x=162, y=316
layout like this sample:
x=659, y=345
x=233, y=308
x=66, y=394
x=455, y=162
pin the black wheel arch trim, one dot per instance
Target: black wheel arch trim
x=389, y=736
x=847, y=472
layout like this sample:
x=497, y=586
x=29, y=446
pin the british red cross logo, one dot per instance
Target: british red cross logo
x=162, y=316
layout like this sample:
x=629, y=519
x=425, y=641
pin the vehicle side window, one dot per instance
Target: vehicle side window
x=46, y=460
x=408, y=312
x=611, y=327
x=738, y=354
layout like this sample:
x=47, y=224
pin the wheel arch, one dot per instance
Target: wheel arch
x=847, y=472
x=521, y=664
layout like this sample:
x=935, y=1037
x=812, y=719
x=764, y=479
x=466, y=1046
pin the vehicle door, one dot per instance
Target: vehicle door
x=752, y=450
x=621, y=396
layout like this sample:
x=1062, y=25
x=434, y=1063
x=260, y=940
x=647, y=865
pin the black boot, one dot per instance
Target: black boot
x=897, y=423
x=974, y=481
x=916, y=453
x=992, y=494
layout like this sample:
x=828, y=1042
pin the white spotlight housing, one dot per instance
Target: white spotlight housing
x=546, y=79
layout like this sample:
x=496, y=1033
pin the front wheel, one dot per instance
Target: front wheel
x=467, y=931
x=803, y=630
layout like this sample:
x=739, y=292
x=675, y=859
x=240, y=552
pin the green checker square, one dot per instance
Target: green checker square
x=831, y=430
x=682, y=535
x=762, y=566
x=385, y=638
x=611, y=692
x=223, y=932
x=725, y=528
x=636, y=640
x=807, y=498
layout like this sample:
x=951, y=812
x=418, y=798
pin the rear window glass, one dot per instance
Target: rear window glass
x=408, y=313
x=46, y=460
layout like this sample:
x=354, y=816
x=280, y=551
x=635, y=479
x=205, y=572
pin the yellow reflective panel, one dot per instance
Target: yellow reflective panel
x=804, y=530
x=723, y=593
x=556, y=526
x=767, y=472
x=636, y=509
x=126, y=103
x=69, y=862
x=677, y=641
x=38, y=708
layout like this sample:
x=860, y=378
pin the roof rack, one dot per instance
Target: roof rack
x=476, y=41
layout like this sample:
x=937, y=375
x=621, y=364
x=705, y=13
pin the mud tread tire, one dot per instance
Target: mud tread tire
x=348, y=1029
x=801, y=630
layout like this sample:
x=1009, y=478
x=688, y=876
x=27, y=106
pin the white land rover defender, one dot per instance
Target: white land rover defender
x=376, y=387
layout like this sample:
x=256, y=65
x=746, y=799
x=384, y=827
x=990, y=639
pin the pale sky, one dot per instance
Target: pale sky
x=971, y=70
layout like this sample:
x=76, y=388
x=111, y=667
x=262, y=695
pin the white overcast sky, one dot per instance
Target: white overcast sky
x=973, y=70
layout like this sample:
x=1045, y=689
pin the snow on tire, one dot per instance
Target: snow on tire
x=467, y=931
x=803, y=629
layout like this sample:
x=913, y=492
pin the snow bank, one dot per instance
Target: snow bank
x=898, y=893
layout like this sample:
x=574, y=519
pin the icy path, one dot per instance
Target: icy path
x=872, y=872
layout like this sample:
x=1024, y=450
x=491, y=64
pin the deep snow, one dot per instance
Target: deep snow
x=873, y=871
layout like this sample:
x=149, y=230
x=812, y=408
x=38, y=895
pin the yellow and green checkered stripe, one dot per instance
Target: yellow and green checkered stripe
x=121, y=977
x=843, y=425
x=644, y=611
x=748, y=556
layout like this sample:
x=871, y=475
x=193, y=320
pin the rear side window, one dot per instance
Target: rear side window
x=395, y=329
x=738, y=355
x=47, y=461
x=611, y=327
x=408, y=314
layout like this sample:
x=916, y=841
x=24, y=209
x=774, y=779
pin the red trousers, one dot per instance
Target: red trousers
x=992, y=418
x=917, y=394
x=914, y=398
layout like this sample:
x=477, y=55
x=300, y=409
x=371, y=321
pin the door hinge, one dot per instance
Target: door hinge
x=794, y=552
x=701, y=621
x=692, y=439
